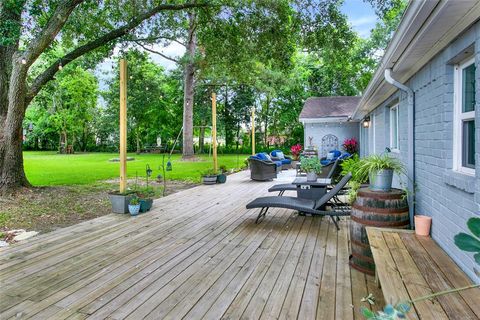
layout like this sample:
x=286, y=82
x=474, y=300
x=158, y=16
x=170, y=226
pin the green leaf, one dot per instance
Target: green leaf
x=477, y=258
x=367, y=313
x=474, y=226
x=467, y=242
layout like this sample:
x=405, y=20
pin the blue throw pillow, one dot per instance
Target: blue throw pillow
x=279, y=155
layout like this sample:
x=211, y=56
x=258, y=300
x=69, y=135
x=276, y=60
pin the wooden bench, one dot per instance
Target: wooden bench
x=410, y=267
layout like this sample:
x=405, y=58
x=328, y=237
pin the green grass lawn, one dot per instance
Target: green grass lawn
x=50, y=168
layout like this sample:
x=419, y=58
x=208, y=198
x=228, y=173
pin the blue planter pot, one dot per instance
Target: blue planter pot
x=134, y=209
x=381, y=181
x=145, y=205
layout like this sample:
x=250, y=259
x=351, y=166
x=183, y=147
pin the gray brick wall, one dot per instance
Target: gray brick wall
x=449, y=197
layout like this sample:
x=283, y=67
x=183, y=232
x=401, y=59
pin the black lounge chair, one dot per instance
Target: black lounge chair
x=281, y=188
x=305, y=206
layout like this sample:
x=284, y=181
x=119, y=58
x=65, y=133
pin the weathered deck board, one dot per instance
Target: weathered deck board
x=198, y=255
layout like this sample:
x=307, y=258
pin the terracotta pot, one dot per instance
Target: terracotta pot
x=422, y=225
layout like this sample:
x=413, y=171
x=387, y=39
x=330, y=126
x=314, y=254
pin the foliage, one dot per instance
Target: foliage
x=389, y=312
x=350, y=145
x=311, y=164
x=359, y=177
x=377, y=162
x=209, y=173
x=470, y=243
x=296, y=150
x=134, y=200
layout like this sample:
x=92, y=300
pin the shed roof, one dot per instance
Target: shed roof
x=328, y=107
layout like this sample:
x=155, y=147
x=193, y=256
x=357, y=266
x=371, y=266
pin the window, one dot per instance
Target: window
x=394, y=145
x=464, y=117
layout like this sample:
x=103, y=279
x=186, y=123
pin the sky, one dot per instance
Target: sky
x=359, y=12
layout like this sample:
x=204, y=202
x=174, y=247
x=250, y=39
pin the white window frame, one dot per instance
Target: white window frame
x=395, y=109
x=459, y=117
x=372, y=124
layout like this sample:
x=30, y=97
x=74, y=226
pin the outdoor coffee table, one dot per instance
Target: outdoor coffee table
x=312, y=190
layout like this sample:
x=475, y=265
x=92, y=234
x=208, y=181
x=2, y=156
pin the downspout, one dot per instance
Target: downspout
x=411, y=141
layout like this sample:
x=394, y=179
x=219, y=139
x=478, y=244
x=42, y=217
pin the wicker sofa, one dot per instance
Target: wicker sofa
x=262, y=168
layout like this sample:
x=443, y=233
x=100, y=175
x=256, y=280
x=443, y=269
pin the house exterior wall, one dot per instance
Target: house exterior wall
x=449, y=197
x=342, y=131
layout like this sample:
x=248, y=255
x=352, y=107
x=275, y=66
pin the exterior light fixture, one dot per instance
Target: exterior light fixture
x=366, y=122
x=24, y=61
x=60, y=67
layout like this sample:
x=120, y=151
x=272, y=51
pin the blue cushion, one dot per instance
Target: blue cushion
x=278, y=163
x=255, y=157
x=336, y=153
x=262, y=156
x=278, y=154
x=326, y=162
x=345, y=155
x=286, y=161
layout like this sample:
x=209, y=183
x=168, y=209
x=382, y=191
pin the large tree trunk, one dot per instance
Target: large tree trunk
x=12, y=174
x=189, y=90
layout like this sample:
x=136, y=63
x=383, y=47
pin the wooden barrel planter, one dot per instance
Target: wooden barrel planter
x=374, y=209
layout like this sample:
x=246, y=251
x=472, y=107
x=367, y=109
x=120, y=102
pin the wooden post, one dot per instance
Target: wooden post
x=123, y=125
x=253, y=130
x=214, y=131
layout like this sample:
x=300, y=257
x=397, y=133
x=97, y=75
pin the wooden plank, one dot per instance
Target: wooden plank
x=198, y=300
x=412, y=278
x=55, y=275
x=263, y=274
x=214, y=131
x=277, y=296
x=359, y=291
x=293, y=300
x=372, y=287
x=180, y=300
x=326, y=298
x=308, y=306
x=121, y=279
x=391, y=281
x=257, y=303
x=455, y=276
x=242, y=280
x=343, y=294
x=123, y=125
x=453, y=303
x=50, y=300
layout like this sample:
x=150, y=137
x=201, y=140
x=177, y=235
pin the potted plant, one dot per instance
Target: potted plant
x=145, y=197
x=295, y=150
x=209, y=177
x=120, y=201
x=359, y=177
x=222, y=177
x=350, y=145
x=312, y=167
x=134, y=206
x=380, y=169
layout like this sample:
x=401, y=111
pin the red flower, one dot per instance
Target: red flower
x=296, y=150
x=350, y=145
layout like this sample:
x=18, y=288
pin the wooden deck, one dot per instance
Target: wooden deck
x=197, y=255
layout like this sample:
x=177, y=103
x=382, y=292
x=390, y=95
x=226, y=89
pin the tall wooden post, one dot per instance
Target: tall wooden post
x=123, y=125
x=214, y=131
x=253, y=130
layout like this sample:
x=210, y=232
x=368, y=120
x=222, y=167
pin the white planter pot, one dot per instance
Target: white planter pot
x=311, y=176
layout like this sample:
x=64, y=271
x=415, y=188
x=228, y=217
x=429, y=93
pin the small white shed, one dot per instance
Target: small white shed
x=327, y=122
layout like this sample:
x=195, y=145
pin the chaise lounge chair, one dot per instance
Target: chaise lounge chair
x=327, y=173
x=313, y=207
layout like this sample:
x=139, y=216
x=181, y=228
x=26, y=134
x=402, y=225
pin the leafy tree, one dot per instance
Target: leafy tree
x=29, y=29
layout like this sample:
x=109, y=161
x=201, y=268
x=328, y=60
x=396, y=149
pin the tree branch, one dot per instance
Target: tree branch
x=50, y=31
x=48, y=74
x=157, y=38
x=157, y=52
